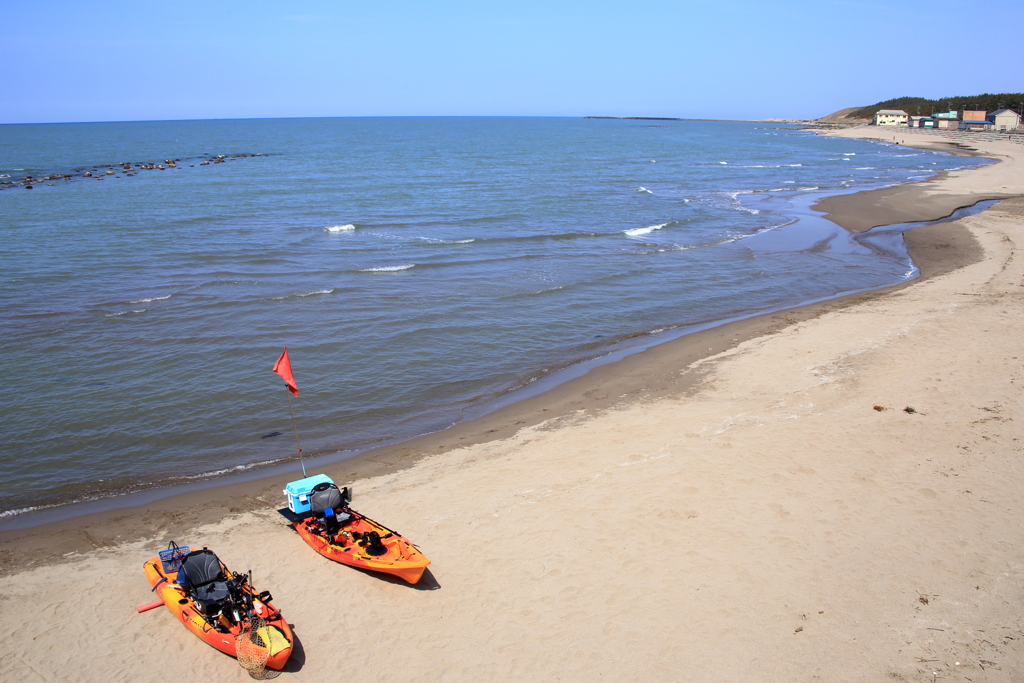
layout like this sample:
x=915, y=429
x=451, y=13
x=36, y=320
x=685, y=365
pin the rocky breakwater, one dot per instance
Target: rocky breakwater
x=124, y=169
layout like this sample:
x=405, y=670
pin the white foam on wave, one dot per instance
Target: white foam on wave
x=673, y=248
x=19, y=511
x=724, y=163
x=808, y=189
x=789, y=181
x=228, y=470
x=388, y=269
x=767, y=228
x=295, y=296
x=348, y=227
x=864, y=168
x=636, y=232
x=643, y=189
x=793, y=165
x=435, y=240
x=726, y=240
x=539, y=291
x=716, y=243
x=735, y=196
x=155, y=298
x=119, y=313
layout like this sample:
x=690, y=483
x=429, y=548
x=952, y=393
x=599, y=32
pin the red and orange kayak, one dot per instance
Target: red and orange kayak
x=273, y=635
x=363, y=543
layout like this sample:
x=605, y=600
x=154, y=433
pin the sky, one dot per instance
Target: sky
x=726, y=59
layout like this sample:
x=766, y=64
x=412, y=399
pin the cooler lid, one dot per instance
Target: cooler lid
x=303, y=486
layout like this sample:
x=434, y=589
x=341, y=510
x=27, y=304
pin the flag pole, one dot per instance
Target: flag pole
x=283, y=369
x=301, y=461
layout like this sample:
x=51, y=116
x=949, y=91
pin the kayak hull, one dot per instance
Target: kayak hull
x=402, y=558
x=187, y=612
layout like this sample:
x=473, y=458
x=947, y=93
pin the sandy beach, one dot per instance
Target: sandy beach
x=831, y=493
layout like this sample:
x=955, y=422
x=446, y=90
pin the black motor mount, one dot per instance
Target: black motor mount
x=373, y=544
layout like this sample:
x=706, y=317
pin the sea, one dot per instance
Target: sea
x=417, y=270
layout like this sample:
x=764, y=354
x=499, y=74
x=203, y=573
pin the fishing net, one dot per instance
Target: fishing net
x=253, y=647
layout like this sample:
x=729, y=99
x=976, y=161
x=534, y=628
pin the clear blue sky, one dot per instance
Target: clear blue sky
x=739, y=59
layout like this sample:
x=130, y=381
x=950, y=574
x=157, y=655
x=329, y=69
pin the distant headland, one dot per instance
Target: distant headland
x=856, y=116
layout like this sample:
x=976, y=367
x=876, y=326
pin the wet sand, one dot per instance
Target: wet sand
x=752, y=502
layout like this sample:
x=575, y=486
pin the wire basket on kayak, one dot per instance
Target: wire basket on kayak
x=172, y=557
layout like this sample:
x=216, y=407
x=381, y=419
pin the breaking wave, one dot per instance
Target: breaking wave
x=636, y=232
x=387, y=269
x=299, y=296
x=435, y=240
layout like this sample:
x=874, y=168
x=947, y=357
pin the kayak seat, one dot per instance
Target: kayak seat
x=327, y=503
x=201, y=575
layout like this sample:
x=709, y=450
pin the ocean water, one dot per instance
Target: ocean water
x=416, y=268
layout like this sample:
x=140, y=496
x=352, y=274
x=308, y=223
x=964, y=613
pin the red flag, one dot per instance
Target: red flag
x=283, y=367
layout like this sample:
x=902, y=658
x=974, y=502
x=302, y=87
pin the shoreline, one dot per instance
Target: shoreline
x=935, y=250
x=838, y=478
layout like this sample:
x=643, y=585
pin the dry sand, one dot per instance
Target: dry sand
x=828, y=494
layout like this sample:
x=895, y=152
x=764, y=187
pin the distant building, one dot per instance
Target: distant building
x=974, y=124
x=946, y=119
x=971, y=115
x=1005, y=119
x=891, y=117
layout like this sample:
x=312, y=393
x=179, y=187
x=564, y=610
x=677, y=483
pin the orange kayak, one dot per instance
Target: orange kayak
x=219, y=624
x=362, y=542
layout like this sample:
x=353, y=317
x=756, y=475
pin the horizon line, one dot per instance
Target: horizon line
x=404, y=116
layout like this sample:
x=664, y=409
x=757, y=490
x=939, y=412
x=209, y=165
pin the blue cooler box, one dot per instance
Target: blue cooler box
x=298, y=492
